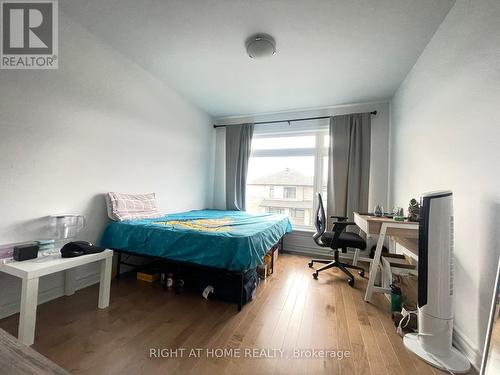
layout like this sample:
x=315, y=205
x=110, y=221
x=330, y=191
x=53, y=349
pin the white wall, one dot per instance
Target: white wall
x=445, y=133
x=100, y=123
x=302, y=242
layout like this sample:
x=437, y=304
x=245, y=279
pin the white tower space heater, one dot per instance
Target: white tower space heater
x=432, y=343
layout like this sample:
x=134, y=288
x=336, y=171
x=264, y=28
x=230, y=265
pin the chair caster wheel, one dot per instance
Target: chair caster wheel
x=315, y=275
x=310, y=264
x=351, y=282
x=362, y=273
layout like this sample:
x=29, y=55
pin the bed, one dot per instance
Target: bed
x=233, y=241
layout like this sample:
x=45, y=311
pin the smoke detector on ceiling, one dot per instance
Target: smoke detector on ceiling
x=260, y=46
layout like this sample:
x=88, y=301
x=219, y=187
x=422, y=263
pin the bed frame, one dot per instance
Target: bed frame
x=167, y=264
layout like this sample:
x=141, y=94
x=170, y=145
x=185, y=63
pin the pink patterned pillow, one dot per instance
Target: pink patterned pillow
x=132, y=206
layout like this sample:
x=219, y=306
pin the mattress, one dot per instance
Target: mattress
x=231, y=240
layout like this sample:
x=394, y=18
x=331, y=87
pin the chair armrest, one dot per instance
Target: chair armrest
x=339, y=227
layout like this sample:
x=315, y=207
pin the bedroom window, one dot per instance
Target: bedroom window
x=290, y=192
x=285, y=171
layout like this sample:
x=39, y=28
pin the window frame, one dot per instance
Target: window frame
x=271, y=191
x=318, y=152
x=303, y=212
x=289, y=189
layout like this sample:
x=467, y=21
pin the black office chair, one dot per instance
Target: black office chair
x=336, y=239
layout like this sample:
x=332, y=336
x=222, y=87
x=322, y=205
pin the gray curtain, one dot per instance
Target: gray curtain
x=238, y=144
x=349, y=164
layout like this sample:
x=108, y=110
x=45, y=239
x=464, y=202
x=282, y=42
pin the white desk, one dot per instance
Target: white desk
x=404, y=232
x=31, y=270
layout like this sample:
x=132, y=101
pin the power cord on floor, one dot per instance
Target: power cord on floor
x=405, y=320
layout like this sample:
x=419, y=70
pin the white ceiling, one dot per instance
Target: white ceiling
x=328, y=52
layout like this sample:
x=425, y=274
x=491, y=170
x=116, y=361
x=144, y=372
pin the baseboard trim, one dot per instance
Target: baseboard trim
x=308, y=252
x=87, y=280
x=463, y=343
x=299, y=250
x=43, y=296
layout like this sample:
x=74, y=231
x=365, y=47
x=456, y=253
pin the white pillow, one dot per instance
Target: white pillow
x=132, y=206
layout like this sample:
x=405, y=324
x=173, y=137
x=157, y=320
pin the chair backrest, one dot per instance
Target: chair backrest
x=319, y=221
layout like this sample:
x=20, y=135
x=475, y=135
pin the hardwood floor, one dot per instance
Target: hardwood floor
x=291, y=311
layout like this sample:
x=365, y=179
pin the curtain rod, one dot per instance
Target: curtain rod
x=289, y=121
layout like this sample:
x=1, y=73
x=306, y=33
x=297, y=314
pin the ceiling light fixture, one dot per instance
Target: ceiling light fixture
x=260, y=46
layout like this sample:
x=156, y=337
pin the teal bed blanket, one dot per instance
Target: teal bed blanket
x=232, y=240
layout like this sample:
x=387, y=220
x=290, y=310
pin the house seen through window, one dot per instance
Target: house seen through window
x=290, y=192
x=285, y=171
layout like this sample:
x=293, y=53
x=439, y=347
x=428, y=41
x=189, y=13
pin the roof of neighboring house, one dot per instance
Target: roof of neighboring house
x=286, y=177
x=285, y=204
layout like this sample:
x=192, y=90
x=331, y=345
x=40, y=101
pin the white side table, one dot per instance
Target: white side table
x=31, y=270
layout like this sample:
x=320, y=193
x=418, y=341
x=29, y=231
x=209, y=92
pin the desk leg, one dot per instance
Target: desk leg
x=355, y=257
x=105, y=283
x=27, y=316
x=375, y=264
